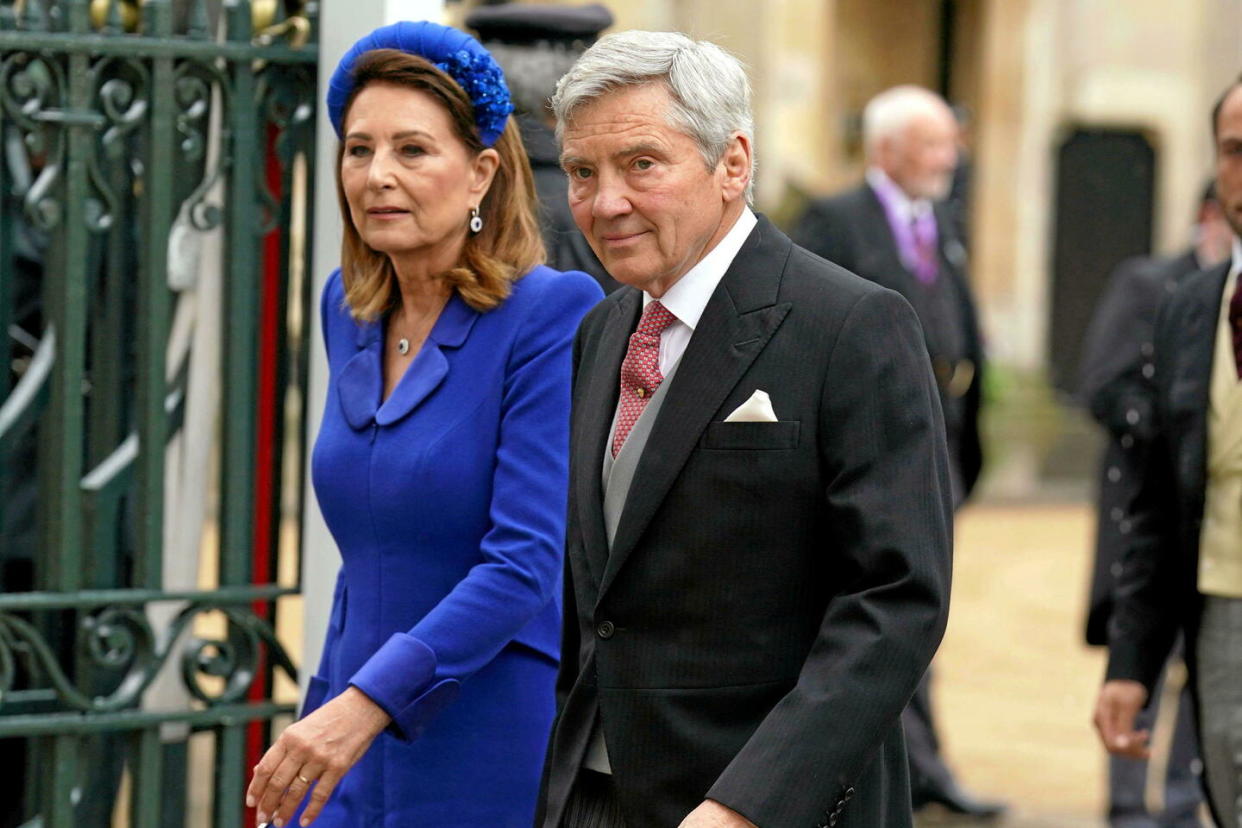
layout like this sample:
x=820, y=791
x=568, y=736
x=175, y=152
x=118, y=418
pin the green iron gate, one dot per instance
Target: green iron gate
x=146, y=153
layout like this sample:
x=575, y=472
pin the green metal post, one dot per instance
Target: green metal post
x=65, y=791
x=146, y=792
x=241, y=302
x=153, y=308
x=67, y=300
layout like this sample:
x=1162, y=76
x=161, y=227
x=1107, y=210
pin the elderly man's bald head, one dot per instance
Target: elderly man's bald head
x=910, y=133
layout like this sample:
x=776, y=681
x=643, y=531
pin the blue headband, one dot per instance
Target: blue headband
x=456, y=53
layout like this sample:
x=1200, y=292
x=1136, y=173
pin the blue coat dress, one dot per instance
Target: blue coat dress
x=447, y=501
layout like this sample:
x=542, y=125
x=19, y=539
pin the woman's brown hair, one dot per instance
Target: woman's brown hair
x=508, y=245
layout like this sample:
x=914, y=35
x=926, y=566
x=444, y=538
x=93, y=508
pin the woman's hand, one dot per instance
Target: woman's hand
x=317, y=750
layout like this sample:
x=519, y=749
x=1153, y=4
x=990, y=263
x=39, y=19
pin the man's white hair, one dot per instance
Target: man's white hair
x=890, y=112
x=708, y=87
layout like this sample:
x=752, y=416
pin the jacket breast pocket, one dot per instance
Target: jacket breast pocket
x=751, y=436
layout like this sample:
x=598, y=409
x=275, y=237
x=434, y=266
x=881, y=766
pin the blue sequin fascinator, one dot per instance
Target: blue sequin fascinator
x=456, y=53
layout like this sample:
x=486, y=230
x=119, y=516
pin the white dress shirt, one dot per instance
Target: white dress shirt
x=688, y=296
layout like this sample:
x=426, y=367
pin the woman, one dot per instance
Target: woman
x=440, y=465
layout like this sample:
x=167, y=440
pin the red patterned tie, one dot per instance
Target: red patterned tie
x=640, y=370
x=1235, y=324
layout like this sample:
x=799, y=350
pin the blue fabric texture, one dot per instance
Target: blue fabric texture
x=456, y=53
x=447, y=501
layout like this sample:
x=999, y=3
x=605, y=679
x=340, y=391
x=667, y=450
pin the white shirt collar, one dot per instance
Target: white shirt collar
x=907, y=209
x=688, y=296
x=1237, y=255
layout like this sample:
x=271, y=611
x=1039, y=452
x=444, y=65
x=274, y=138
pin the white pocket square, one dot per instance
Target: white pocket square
x=758, y=409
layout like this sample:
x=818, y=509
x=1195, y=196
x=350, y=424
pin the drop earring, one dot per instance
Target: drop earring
x=476, y=221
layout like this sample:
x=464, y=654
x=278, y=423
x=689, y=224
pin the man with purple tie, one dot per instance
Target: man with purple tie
x=894, y=229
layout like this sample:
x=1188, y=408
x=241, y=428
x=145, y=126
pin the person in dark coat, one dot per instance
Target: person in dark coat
x=894, y=229
x=1117, y=365
x=535, y=44
x=758, y=543
x=1181, y=571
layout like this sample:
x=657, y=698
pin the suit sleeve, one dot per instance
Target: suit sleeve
x=1112, y=383
x=888, y=503
x=414, y=675
x=567, y=676
x=1145, y=616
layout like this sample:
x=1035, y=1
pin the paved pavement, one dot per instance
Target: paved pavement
x=1015, y=682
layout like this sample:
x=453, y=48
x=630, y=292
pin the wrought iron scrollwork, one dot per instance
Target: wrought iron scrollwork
x=286, y=98
x=195, y=84
x=31, y=94
x=121, y=91
x=120, y=639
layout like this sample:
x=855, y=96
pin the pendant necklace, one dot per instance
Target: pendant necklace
x=403, y=343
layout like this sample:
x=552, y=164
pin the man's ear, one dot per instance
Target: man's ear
x=736, y=166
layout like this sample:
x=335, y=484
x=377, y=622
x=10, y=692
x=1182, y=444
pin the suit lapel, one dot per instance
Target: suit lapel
x=593, y=420
x=736, y=325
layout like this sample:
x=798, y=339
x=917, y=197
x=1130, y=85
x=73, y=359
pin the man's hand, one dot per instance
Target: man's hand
x=712, y=814
x=1119, y=704
x=316, y=751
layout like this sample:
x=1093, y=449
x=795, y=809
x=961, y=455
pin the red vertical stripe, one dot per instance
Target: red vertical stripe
x=266, y=524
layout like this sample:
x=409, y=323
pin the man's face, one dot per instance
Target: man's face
x=1229, y=159
x=640, y=191
x=920, y=158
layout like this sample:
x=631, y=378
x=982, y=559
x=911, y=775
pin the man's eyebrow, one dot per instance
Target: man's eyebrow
x=645, y=148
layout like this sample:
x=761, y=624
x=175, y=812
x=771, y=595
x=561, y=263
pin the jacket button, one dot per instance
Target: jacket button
x=605, y=629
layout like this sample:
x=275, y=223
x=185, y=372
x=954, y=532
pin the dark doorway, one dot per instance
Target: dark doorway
x=1105, y=193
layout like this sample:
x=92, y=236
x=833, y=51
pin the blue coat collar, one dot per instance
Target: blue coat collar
x=361, y=383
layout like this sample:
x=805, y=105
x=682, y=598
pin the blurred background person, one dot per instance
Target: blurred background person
x=1117, y=366
x=894, y=229
x=441, y=463
x=535, y=44
x=1182, y=560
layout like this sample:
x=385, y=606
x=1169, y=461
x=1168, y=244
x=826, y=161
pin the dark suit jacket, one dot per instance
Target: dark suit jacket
x=1115, y=385
x=1157, y=592
x=775, y=590
x=852, y=230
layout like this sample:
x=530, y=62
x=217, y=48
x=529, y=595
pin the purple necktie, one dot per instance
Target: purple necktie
x=923, y=231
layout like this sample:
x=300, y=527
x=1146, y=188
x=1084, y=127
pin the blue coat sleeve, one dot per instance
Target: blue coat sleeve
x=414, y=675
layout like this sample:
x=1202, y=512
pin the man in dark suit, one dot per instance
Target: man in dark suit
x=894, y=229
x=1117, y=364
x=1182, y=563
x=758, y=540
